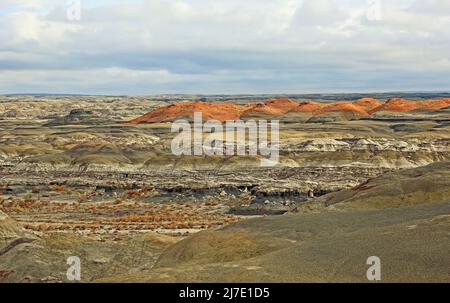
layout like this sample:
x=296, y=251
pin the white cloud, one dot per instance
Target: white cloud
x=197, y=39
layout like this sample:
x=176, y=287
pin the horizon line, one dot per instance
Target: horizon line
x=228, y=94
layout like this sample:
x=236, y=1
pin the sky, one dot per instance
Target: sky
x=147, y=47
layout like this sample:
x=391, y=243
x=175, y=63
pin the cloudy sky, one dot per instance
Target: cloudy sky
x=142, y=47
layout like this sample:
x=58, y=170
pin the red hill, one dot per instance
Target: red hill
x=396, y=105
x=367, y=103
x=211, y=111
x=342, y=107
x=263, y=109
x=403, y=105
x=306, y=107
x=280, y=107
x=284, y=105
x=435, y=104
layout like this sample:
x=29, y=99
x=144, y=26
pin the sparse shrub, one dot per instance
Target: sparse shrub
x=82, y=198
x=27, y=203
x=58, y=188
x=43, y=227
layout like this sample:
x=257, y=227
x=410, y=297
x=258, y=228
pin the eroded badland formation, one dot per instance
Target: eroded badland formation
x=94, y=177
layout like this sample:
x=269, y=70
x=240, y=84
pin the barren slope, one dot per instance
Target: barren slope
x=411, y=238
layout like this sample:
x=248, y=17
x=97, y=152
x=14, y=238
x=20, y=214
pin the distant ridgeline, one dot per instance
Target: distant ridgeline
x=306, y=111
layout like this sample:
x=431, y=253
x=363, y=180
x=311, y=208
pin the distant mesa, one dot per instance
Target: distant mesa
x=77, y=117
x=287, y=108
